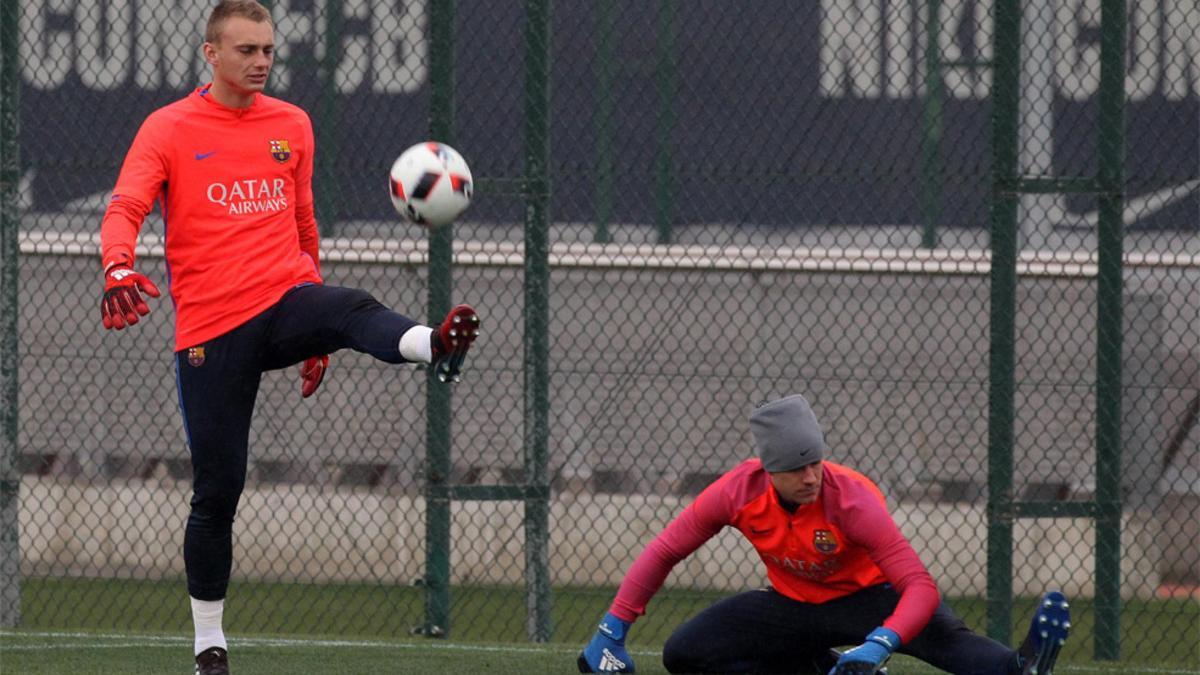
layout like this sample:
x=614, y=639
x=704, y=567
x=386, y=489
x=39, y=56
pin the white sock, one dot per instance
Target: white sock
x=416, y=345
x=206, y=615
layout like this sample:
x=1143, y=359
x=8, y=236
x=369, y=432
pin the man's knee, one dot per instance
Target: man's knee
x=215, y=507
x=684, y=653
x=349, y=299
x=944, y=624
x=676, y=656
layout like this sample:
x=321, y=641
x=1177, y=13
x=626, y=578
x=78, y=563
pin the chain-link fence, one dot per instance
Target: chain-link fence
x=745, y=200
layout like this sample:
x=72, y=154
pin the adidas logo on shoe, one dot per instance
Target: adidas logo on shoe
x=610, y=663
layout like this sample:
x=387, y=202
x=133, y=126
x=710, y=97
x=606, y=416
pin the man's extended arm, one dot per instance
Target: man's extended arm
x=141, y=180
x=865, y=521
x=698, y=523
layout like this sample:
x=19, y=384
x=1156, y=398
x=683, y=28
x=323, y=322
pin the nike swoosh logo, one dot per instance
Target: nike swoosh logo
x=1136, y=208
x=204, y=155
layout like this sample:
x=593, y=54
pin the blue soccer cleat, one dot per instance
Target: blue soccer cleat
x=1047, y=634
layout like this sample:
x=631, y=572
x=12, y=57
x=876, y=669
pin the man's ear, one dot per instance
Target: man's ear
x=210, y=53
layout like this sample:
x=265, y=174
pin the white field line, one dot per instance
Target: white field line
x=121, y=641
x=90, y=640
x=85, y=646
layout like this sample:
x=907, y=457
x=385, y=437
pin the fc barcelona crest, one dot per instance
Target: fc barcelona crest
x=824, y=541
x=280, y=150
x=195, y=356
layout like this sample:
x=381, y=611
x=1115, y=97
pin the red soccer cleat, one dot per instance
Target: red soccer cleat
x=452, y=340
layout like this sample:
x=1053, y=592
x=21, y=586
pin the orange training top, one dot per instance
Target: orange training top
x=843, y=542
x=235, y=190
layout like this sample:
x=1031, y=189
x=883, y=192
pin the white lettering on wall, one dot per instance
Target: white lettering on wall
x=398, y=61
x=293, y=29
x=169, y=43
x=869, y=48
x=1181, y=49
x=972, y=81
x=46, y=51
x=899, y=80
x=101, y=42
x=1078, y=64
x=851, y=42
x=355, y=64
x=872, y=49
x=103, y=33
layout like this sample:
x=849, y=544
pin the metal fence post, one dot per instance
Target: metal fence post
x=603, y=118
x=1109, y=296
x=1002, y=320
x=441, y=253
x=1108, y=186
x=10, y=178
x=537, y=316
x=932, y=171
x=664, y=176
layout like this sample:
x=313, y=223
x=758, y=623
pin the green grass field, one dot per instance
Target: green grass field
x=39, y=653
x=111, y=626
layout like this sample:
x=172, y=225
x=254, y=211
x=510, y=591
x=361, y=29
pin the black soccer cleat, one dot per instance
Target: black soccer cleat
x=212, y=661
x=1047, y=634
x=452, y=340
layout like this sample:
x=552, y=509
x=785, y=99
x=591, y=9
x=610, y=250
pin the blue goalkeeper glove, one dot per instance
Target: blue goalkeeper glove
x=867, y=658
x=606, y=652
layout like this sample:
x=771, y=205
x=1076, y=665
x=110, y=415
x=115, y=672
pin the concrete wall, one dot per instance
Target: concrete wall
x=297, y=533
x=653, y=370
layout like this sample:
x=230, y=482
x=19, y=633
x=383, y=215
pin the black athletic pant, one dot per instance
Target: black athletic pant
x=218, y=383
x=765, y=632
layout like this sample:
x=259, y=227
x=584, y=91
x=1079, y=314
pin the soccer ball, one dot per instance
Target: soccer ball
x=431, y=184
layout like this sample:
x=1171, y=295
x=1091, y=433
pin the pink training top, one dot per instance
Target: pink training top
x=843, y=542
x=235, y=190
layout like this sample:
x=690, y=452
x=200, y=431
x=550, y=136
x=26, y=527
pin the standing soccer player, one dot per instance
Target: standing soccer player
x=841, y=573
x=233, y=169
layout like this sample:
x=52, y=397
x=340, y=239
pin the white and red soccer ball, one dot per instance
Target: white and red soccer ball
x=431, y=184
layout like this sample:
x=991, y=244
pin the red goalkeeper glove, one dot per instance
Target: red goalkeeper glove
x=122, y=301
x=312, y=371
x=452, y=340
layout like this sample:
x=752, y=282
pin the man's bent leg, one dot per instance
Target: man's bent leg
x=313, y=320
x=752, y=632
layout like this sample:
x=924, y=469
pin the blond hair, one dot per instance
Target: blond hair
x=227, y=9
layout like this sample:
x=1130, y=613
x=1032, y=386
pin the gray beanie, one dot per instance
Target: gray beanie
x=786, y=434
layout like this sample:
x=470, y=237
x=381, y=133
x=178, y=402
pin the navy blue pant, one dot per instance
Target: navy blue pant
x=765, y=632
x=218, y=383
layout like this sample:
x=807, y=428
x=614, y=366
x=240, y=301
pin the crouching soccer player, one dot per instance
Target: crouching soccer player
x=233, y=169
x=841, y=573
